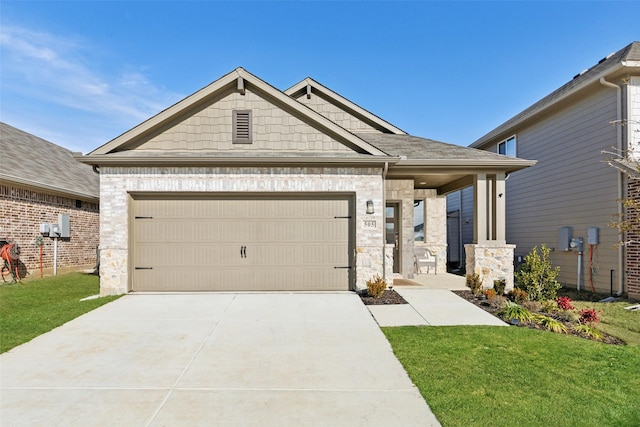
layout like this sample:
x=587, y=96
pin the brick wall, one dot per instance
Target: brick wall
x=21, y=213
x=633, y=249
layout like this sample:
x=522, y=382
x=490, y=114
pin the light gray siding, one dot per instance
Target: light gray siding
x=459, y=203
x=570, y=186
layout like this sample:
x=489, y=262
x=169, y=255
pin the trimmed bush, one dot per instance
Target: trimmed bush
x=376, y=286
x=536, y=276
x=474, y=283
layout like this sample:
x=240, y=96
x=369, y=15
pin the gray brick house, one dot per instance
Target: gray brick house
x=241, y=186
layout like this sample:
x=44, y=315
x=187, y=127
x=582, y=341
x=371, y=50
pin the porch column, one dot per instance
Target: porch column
x=499, y=208
x=480, y=208
x=490, y=256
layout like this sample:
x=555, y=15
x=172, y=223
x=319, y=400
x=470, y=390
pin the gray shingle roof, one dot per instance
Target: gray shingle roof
x=32, y=161
x=630, y=52
x=416, y=148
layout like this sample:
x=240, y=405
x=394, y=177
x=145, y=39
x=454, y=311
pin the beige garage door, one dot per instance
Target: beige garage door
x=232, y=244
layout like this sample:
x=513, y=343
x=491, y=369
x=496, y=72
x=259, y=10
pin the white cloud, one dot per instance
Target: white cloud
x=64, y=73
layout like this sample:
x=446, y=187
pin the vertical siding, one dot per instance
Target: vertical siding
x=570, y=186
x=273, y=129
x=461, y=201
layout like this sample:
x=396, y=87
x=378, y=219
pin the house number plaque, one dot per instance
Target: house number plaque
x=368, y=223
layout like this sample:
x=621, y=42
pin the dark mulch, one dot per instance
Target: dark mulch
x=387, y=297
x=493, y=305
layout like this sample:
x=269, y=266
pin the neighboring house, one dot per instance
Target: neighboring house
x=572, y=185
x=241, y=186
x=38, y=182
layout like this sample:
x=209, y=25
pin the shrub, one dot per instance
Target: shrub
x=551, y=324
x=588, y=331
x=568, y=316
x=489, y=293
x=517, y=295
x=589, y=316
x=549, y=306
x=474, y=283
x=532, y=305
x=537, y=276
x=499, y=285
x=565, y=303
x=513, y=311
x=376, y=286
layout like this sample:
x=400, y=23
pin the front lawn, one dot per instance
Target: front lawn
x=37, y=306
x=509, y=376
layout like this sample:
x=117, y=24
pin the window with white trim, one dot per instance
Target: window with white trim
x=508, y=147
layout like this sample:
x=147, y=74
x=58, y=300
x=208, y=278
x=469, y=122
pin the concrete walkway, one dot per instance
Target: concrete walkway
x=212, y=359
x=431, y=302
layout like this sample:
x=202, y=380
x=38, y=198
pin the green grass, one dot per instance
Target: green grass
x=615, y=320
x=37, y=306
x=509, y=376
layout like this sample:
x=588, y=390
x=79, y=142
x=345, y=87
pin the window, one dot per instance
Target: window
x=418, y=220
x=242, y=127
x=508, y=147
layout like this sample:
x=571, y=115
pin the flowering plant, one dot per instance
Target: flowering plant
x=589, y=316
x=564, y=303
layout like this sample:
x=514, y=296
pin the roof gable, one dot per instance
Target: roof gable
x=187, y=124
x=31, y=161
x=338, y=108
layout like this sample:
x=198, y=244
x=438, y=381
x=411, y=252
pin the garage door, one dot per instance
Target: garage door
x=231, y=244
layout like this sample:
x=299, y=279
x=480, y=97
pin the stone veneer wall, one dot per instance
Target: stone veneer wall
x=23, y=210
x=491, y=261
x=401, y=190
x=435, y=218
x=117, y=182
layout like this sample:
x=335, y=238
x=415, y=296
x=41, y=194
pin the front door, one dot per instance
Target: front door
x=392, y=232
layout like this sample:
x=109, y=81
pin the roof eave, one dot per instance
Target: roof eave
x=48, y=188
x=491, y=136
x=113, y=160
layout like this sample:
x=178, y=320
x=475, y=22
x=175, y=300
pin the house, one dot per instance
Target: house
x=241, y=186
x=572, y=192
x=39, y=181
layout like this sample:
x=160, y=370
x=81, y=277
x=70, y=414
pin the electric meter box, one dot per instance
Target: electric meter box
x=64, y=224
x=564, y=238
x=44, y=229
x=593, y=236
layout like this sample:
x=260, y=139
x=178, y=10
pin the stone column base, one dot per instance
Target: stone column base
x=491, y=261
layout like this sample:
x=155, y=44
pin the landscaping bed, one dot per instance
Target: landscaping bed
x=387, y=297
x=493, y=306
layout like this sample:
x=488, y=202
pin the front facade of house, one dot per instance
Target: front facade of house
x=39, y=181
x=243, y=187
x=572, y=185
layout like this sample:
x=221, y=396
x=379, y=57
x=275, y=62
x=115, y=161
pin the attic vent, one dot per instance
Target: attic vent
x=242, y=127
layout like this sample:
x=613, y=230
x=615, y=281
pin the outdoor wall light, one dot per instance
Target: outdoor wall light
x=370, y=207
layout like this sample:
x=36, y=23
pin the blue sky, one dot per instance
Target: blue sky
x=80, y=73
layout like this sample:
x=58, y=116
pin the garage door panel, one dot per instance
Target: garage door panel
x=229, y=244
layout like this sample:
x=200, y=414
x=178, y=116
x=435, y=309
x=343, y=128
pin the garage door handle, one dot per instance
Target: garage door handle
x=243, y=251
x=348, y=267
x=144, y=268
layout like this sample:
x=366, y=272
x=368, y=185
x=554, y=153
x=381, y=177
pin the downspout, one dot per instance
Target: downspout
x=621, y=192
x=384, y=206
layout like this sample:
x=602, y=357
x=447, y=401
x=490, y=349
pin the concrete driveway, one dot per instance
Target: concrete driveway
x=212, y=359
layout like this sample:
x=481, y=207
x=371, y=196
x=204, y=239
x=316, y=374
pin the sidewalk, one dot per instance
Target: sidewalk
x=431, y=303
